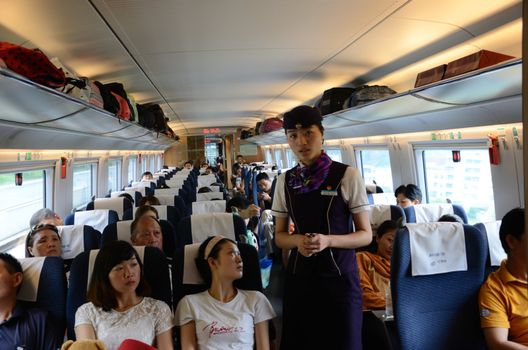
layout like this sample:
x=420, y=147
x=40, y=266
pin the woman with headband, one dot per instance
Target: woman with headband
x=322, y=290
x=223, y=317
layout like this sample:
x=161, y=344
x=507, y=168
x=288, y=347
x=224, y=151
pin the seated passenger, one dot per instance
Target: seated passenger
x=147, y=176
x=223, y=316
x=265, y=195
x=43, y=240
x=149, y=200
x=146, y=210
x=188, y=165
x=374, y=269
x=204, y=190
x=119, y=308
x=407, y=195
x=21, y=328
x=128, y=197
x=503, y=298
x=146, y=230
x=250, y=213
x=45, y=216
x=236, y=179
x=451, y=218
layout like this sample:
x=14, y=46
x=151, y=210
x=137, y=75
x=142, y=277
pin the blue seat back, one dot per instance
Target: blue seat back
x=155, y=269
x=51, y=291
x=438, y=312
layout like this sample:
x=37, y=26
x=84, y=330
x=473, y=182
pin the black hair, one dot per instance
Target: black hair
x=204, y=189
x=146, y=173
x=451, y=218
x=100, y=291
x=410, y=191
x=386, y=226
x=239, y=156
x=127, y=196
x=202, y=264
x=262, y=176
x=34, y=230
x=512, y=224
x=12, y=264
x=188, y=162
x=141, y=210
x=151, y=200
x=239, y=202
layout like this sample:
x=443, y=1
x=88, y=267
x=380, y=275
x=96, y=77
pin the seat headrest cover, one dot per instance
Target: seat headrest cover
x=32, y=268
x=383, y=198
x=205, y=225
x=72, y=240
x=191, y=275
x=136, y=189
x=437, y=247
x=97, y=218
x=207, y=196
x=378, y=214
x=123, y=230
x=116, y=204
x=165, y=199
x=431, y=212
x=206, y=180
x=496, y=251
x=162, y=211
x=214, y=188
x=206, y=207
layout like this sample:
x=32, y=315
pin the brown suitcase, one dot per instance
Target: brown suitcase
x=477, y=60
x=430, y=76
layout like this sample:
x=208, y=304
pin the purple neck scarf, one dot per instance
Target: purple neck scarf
x=309, y=178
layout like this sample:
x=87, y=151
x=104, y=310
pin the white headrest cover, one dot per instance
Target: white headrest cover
x=431, y=212
x=162, y=211
x=496, y=251
x=123, y=230
x=383, y=198
x=214, y=188
x=72, y=240
x=116, y=204
x=191, y=275
x=206, y=180
x=166, y=199
x=205, y=225
x=207, y=196
x=378, y=214
x=97, y=218
x=136, y=189
x=437, y=247
x=32, y=268
x=206, y=207
x=167, y=191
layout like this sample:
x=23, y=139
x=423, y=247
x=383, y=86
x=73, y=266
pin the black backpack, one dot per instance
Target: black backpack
x=151, y=116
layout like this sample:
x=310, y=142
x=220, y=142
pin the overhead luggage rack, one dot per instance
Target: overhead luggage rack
x=35, y=116
x=489, y=96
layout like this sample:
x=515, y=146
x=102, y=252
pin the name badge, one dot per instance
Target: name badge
x=328, y=192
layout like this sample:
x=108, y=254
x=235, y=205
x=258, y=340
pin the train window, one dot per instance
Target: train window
x=267, y=156
x=114, y=174
x=278, y=157
x=132, y=169
x=20, y=202
x=291, y=160
x=84, y=183
x=334, y=154
x=467, y=183
x=375, y=167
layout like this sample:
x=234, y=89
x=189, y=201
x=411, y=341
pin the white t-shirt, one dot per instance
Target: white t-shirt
x=222, y=325
x=352, y=190
x=142, y=322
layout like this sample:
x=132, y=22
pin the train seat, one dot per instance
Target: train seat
x=174, y=200
x=495, y=249
x=379, y=213
x=421, y=213
x=145, y=191
x=120, y=205
x=169, y=213
x=382, y=198
x=206, y=180
x=213, y=188
x=208, y=196
x=135, y=194
x=76, y=239
x=204, y=207
x=197, y=227
x=438, y=311
x=98, y=218
x=44, y=286
x=155, y=270
x=148, y=184
x=121, y=231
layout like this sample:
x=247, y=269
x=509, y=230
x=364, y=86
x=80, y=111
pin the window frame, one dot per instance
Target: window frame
x=358, y=159
x=119, y=161
x=95, y=179
x=135, y=172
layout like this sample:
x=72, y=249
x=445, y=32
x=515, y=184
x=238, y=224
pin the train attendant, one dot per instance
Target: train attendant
x=223, y=317
x=119, y=308
x=322, y=294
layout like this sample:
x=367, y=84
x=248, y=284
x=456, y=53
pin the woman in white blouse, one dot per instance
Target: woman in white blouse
x=118, y=308
x=223, y=317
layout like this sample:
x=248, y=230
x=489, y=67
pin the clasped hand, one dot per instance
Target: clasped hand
x=311, y=243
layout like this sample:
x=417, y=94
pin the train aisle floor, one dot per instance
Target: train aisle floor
x=274, y=294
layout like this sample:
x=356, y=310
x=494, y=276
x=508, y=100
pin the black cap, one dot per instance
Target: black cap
x=302, y=117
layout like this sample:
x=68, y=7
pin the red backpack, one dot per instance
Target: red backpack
x=32, y=64
x=270, y=125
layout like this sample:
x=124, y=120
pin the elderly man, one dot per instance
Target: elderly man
x=21, y=328
x=146, y=230
x=45, y=216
